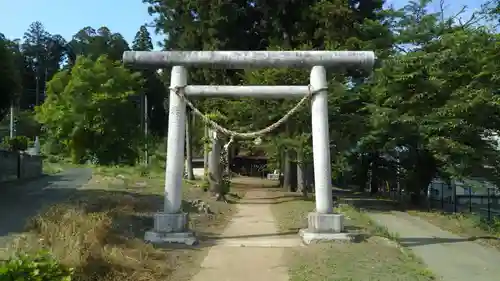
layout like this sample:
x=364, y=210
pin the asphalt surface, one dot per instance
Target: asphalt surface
x=21, y=201
x=450, y=257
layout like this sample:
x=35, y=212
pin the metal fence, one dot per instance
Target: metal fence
x=486, y=206
x=15, y=166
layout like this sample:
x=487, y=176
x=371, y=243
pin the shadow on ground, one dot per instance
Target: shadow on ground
x=272, y=200
x=131, y=211
x=20, y=202
x=421, y=241
x=375, y=203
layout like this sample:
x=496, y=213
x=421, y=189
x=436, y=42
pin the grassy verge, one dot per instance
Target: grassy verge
x=466, y=225
x=53, y=165
x=374, y=259
x=99, y=230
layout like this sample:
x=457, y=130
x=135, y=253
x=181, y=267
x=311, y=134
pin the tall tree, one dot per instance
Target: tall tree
x=427, y=105
x=142, y=40
x=154, y=89
x=94, y=43
x=43, y=54
x=10, y=80
x=285, y=25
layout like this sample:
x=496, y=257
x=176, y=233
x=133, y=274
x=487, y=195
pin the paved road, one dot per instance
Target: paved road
x=21, y=201
x=451, y=257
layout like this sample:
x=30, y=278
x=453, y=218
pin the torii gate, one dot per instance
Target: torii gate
x=171, y=224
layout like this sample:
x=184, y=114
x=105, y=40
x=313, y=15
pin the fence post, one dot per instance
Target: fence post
x=454, y=198
x=442, y=196
x=19, y=164
x=489, y=205
x=470, y=199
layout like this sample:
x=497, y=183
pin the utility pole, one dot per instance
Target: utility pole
x=37, y=78
x=146, y=155
x=11, y=127
x=37, y=100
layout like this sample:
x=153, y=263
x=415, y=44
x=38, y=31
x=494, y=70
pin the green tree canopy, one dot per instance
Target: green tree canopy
x=89, y=111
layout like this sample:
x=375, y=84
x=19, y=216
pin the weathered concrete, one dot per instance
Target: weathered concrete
x=250, y=59
x=266, y=92
x=174, y=163
x=449, y=256
x=8, y=165
x=309, y=236
x=317, y=60
x=321, y=223
x=170, y=228
x=18, y=166
x=250, y=248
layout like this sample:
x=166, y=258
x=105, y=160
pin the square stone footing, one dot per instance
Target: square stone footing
x=187, y=238
x=165, y=222
x=171, y=228
x=325, y=223
x=325, y=227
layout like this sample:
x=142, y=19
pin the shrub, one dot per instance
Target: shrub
x=41, y=267
x=19, y=143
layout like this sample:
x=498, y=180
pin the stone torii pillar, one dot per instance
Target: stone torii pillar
x=171, y=224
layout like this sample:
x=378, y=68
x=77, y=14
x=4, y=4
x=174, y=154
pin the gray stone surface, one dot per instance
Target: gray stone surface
x=171, y=228
x=449, y=256
x=31, y=166
x=187, y=237
x=8, y=165
x=15, y=166
x=164, y=222
x=309, y=237
x=325, y=223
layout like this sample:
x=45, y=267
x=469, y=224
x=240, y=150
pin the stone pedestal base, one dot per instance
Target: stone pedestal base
x=323, y=227
x=325, y=223
x=171, y=228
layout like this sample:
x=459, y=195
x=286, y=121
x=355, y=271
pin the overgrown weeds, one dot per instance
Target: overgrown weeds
x=96, y=243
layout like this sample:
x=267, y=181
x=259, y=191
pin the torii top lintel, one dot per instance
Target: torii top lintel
x=251, y=59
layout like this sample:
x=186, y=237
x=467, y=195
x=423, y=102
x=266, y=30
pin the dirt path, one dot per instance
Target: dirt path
x=251, y=248
x=19, y=202
x=452, y=257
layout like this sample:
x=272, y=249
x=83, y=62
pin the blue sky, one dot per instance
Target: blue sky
x=66, y=17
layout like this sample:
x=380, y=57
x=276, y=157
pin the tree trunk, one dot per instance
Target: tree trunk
x=301, y=183
x=189, y=149
x=206, y=149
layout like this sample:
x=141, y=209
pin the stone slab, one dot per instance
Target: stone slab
x=309, y=237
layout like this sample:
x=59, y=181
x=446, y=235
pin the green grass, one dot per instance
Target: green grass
x=375, y=259
x=54, y=165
